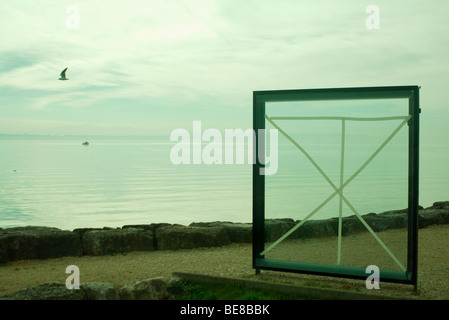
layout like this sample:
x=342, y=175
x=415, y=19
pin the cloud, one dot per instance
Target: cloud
x=179, y=58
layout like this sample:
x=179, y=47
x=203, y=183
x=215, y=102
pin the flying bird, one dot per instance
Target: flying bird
x=63, y=75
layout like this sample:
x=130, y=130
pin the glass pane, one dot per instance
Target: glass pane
x=358, y=146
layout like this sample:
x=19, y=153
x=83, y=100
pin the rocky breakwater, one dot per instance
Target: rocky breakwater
x=44, y=242
x=148, y=289
x=97, y=242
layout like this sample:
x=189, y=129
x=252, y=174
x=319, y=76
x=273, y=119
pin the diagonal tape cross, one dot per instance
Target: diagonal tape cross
x=338, y=191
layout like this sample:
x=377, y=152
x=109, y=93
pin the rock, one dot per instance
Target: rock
x=275, y=228
x=237, y=232
x=99, y=291
x=182, y=237
x=440, y=205
x=240, y=232
x=351, y=225
x=380, y=223
x=149, y=289
x=46, y=291
x=4, y=254
x=82, y=231
x=316, y=228
x=377, y=222
x=58, y=291
x=38, y=243
x=112, y=241
x=152, y=226
x=431, y=216
x=394, y=219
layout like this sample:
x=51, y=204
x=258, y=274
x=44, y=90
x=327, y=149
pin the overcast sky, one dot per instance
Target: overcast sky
x=149, y=67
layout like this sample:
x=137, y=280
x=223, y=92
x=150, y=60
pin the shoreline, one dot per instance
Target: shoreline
x=233, y=261
x=33, y=242
x=211, y=252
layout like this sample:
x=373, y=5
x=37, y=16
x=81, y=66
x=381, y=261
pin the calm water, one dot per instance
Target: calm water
x=112, y=183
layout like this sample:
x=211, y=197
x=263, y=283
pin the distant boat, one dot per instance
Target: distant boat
x=85, y=143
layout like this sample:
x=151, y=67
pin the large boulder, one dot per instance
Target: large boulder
x=182, y=237
x=112, y=241
x=440, y=205
x=433, y=215
x=99, y=291
x=316, y=229
x=58, y=291
x=377, y=222
x=275, y=228
x=46, y=291
x=149, y=289
x=351, y=225
x=152, y=226
x=394, y=219
x=38, y=243
x=237, y=232
x=385, y=221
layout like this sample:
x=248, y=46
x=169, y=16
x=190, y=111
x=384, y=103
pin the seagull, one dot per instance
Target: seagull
x=63, y=75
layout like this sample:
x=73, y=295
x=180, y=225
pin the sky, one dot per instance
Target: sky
x=149, y=67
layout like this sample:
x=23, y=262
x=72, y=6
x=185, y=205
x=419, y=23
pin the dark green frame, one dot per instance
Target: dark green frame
x=400, y=92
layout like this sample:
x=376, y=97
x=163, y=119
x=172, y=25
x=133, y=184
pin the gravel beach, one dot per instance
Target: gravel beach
x=235, y=261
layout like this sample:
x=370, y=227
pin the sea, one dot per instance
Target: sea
x=117, y=181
